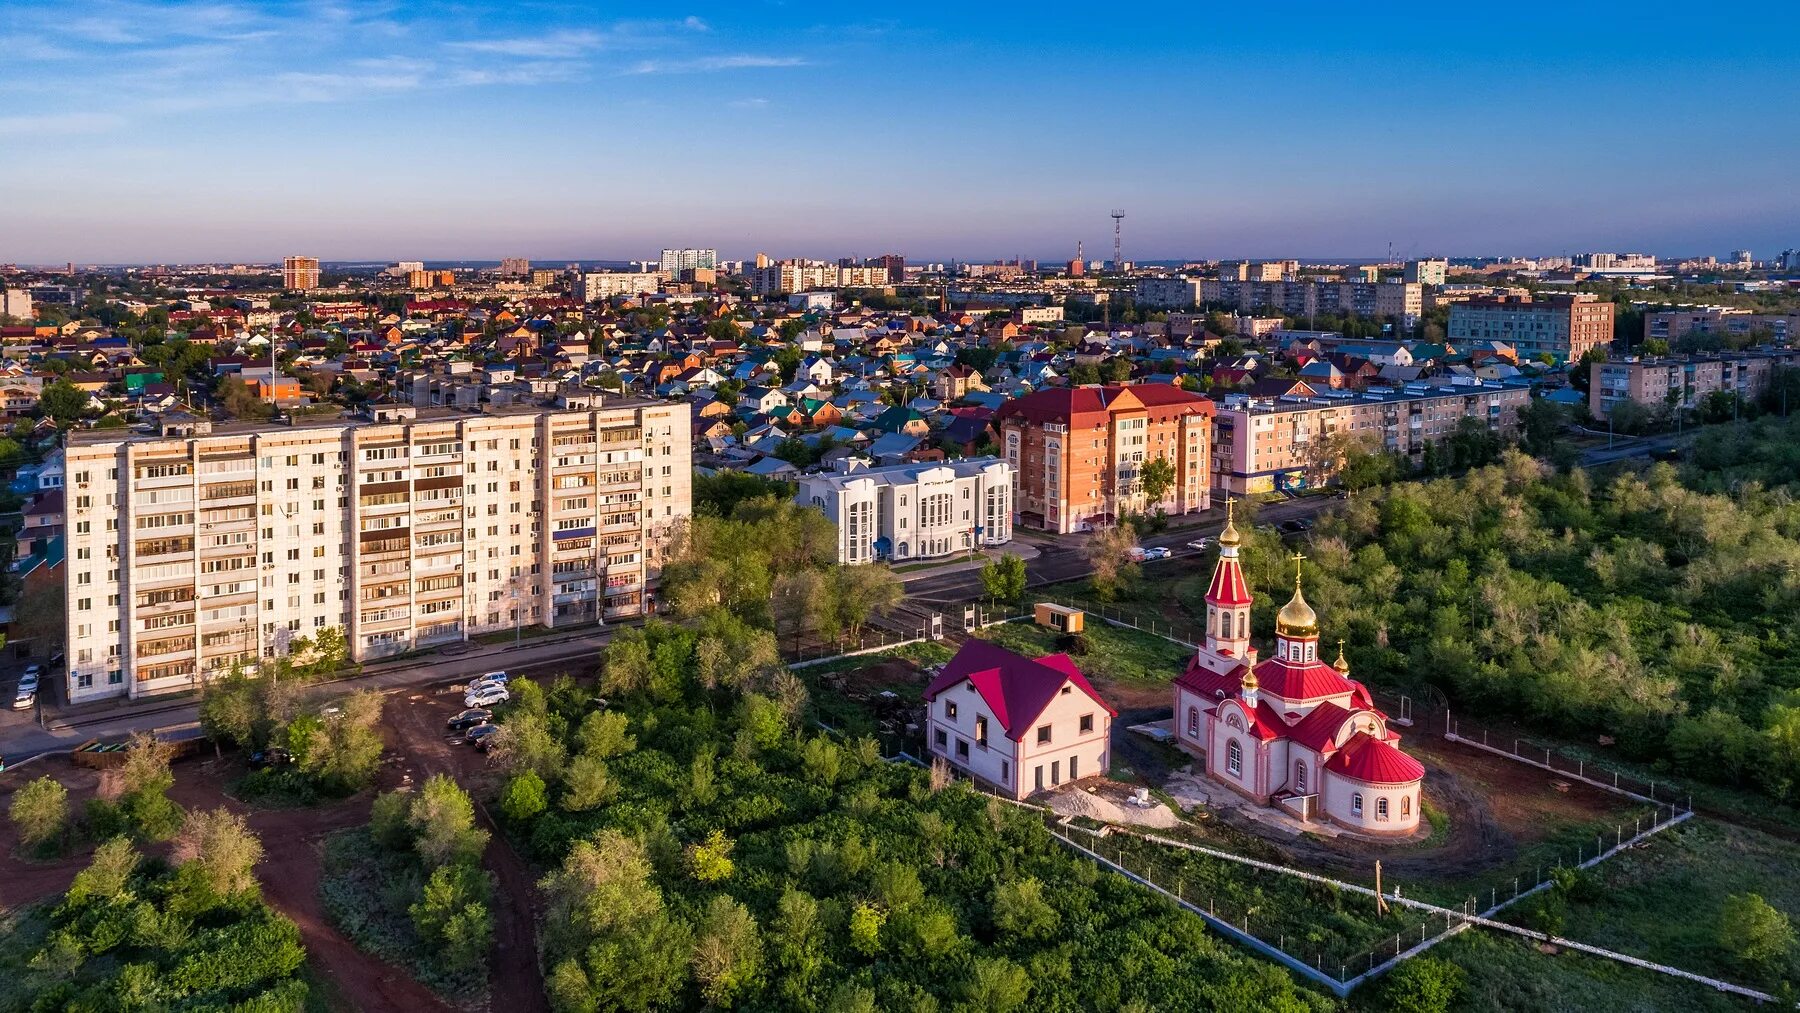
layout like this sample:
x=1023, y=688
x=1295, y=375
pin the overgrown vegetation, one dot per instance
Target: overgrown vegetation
x=733, y=860
x=133, y=933
x=410, y=887
x=1655, y=608
x=333, y=752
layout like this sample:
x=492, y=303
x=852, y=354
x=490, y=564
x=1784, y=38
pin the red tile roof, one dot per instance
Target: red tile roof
x=1371, y=761
x=1015, y=688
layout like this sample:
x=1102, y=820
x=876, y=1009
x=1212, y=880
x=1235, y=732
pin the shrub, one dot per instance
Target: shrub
x=1423, y=985
x=1752, y=932
x=524, y=797
x=40, y=811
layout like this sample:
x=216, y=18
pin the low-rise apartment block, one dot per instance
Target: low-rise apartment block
x=201, y=547
x=1270, y=444
x=1400, y=299
x=915, y=511
x=1674, y=324
x=1564, y=326
x=1078, y=454
x=594, y=287
x=1687, y=378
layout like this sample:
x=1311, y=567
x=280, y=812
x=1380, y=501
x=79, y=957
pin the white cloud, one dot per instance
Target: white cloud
x=748, y=103
x=707, y=64
x=553, y=45
x=57, y=124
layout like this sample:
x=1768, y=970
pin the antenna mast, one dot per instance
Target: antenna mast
x=1118, y=217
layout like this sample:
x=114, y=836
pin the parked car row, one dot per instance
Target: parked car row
x=476, y=720
x=26, y=697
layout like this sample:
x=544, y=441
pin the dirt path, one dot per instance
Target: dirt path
x=514, y=979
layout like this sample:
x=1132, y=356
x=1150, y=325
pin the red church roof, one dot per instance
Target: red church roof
x=1228, y=586
x=1372, y=761
x=1015, y=688
x=1306, y=680
x=1318, y=730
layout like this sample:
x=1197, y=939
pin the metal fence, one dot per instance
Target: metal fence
x=1523, y=750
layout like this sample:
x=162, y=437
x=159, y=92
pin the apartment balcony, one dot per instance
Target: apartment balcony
x=576, y=447
x=245, y=597
x=170, y=482
x=397, y=621
x=438, y=564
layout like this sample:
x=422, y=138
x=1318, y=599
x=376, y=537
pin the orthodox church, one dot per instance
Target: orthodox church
x=1289, y=731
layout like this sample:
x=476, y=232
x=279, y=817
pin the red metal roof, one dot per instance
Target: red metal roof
x=1308, y=680
x=1371, y=761
x=1228, y=585
x=1318, y=730
x=1064, y=403
x=1015, y=688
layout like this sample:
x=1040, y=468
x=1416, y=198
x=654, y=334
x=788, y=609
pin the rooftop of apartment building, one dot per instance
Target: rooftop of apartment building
x=376, y=415
x=1330, y=398
x=1739, y=355
x=906, y=474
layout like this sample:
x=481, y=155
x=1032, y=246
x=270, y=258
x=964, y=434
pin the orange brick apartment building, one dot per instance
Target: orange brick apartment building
x=1077, y=453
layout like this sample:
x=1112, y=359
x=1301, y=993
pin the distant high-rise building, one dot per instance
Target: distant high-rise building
x=1742, y=258
x=895, y=264
x=1427, y=272
x=762, y=261
x=676, y=261
x=16, y=303
x=403, y=268
x=299, y=274
x=515, y=267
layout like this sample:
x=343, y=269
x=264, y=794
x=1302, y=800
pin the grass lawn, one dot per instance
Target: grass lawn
x=1506, y=975
x=1662, y=902
x=1114, y=654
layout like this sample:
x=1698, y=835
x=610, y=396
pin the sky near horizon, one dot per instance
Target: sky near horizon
x=133, y=130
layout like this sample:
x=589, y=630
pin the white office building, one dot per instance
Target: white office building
x=915, y=511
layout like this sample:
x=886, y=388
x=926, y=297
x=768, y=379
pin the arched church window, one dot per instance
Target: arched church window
x=1193, y=722
x=1225, y=625
x=1381, y=808
x=1300, y=776
x=1243, y=625
x=1356, y=804
x=1234, y=758
x=1405, y=806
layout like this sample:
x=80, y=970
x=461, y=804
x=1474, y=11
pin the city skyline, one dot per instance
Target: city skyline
x=221, y=131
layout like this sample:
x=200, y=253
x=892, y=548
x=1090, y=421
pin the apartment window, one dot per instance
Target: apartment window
x=962, y=750
x=1043, y=734
x=950, y=709
x=1087, y=723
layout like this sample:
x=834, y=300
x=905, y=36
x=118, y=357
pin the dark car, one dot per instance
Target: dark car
x=272, y=757
x=468, y=719
x=481, y=736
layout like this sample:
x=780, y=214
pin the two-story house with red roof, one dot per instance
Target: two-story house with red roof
x=1020, y=724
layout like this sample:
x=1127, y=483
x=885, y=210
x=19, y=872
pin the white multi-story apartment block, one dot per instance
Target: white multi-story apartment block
x=676, y=261
x=606, y=284
x=915, y=511
x=199, y=547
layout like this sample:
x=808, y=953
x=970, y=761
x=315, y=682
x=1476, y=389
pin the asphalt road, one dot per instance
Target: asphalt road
x=23, y=739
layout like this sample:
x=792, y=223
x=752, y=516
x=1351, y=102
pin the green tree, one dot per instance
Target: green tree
x=855, y=593
x=451, y=915
x=240, y=402
x=1107, y=554
x=1157, y=478
x=1423, y=985
x=727, y=951
x=1020, y=909
x=63, y=402
x=221, y=851
x=587, y=785
x=1003, y=579
x=1752, y=932
x=40, y=811
x=442, y=818
x=342, y=750
x=604, y=734
x=524, y=797
x=143, y=782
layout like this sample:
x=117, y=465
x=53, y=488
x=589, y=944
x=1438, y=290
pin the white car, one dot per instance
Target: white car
x=1200, y=544
x=26, y=697
x=497, y=678
x=486, y=695
x=1157, y=552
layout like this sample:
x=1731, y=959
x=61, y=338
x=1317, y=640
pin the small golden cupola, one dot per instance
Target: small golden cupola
x=1342, y=666
x=1296, y=618
x=1230, y=535
x=1249, y=687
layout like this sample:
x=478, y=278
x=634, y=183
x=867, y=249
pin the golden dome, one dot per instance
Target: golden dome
x=1251, y=682
x=1340, y=664
x=1230, y=535
x=1296, y=618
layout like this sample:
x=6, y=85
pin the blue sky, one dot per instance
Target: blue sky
x=228, y=129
